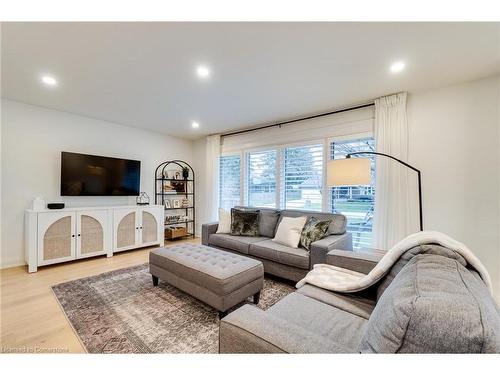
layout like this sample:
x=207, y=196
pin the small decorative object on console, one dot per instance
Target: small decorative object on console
x=184, y=202
x=38, y=204
x=142, y=199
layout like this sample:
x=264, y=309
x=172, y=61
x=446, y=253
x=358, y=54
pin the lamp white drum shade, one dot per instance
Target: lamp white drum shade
x=350, y=171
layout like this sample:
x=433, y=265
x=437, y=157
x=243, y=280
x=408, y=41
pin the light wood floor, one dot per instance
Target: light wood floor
x=31, y=320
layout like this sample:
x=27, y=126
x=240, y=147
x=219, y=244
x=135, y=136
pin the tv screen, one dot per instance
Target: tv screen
x=98, y=175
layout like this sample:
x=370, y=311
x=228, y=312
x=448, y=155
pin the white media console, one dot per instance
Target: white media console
x=54, y=236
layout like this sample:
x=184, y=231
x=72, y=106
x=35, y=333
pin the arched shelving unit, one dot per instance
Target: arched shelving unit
x=175, y=181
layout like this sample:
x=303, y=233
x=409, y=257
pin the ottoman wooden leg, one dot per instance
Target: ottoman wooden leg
x=256, y=298
x=155, y=280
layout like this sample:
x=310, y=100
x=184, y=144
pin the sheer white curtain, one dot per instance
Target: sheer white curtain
x=211, y=193
x=396, y=197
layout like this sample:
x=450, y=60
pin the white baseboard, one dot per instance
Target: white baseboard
x=11, y=265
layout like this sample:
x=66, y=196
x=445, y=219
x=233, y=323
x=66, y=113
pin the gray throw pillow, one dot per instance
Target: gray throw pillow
x=313, y=230
x=245, y=222
x=267, y=222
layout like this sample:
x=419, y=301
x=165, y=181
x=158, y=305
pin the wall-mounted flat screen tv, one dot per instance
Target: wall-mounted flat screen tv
x=90, y=175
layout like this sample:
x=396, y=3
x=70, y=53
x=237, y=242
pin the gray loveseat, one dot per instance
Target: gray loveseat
x=280, y=260
x=428, y=303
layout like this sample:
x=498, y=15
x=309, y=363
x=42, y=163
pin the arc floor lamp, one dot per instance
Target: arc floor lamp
x=357, y=171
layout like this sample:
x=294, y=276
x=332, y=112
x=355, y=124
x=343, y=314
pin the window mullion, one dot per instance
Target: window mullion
x=324, y=186
x=244, y=179
x=279, y=177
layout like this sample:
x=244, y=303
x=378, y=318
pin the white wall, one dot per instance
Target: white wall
x=455, y=142
x=32, y=141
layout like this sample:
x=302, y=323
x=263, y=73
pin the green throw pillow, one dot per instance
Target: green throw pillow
x=245, y=222
x=314, y=230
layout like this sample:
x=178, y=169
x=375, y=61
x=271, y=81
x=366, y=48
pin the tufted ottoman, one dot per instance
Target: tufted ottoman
x=216, y=277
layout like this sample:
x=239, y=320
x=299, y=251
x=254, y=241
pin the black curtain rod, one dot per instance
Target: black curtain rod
x=299, y=119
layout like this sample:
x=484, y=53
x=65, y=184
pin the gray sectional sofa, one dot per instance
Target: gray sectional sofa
x=428, y=303
x=283, y=261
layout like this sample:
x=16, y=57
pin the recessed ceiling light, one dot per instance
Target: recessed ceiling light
x=398, y=66
x=195, y=125
x=202, y=71
x=49, y=80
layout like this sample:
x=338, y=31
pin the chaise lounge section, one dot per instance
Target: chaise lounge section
x=280, y=260
x=432, y=303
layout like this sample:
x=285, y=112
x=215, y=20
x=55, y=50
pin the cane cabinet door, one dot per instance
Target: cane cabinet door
x=150, y=225
x=126, y=229
x=92, y=233
x=56, y=237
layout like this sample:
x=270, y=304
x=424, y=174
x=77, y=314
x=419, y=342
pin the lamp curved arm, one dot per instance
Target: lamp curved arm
x=406, y=165
x=381, y=154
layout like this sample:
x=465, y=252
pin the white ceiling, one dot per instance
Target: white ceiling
x=143, y=74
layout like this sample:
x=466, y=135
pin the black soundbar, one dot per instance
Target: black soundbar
x=55, y=206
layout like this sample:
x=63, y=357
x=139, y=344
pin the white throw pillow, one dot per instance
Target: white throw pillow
x=224, y=221
x=289, y=231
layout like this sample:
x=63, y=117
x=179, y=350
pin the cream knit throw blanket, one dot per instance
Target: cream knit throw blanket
x=342, y=280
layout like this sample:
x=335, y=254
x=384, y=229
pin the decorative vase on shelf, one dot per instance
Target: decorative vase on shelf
x=185, y=172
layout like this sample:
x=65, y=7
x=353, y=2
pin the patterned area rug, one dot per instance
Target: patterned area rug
x=121, y=312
